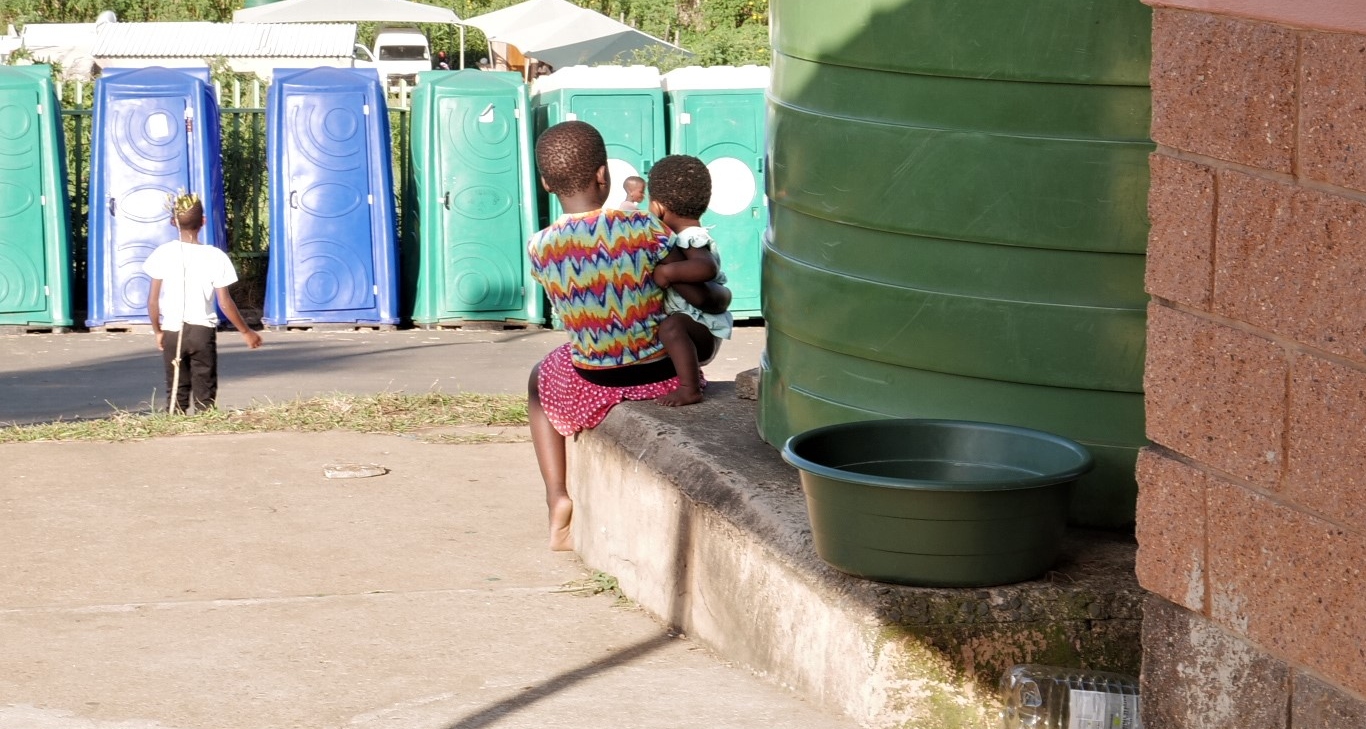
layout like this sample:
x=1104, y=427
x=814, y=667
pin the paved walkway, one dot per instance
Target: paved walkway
x=223, y=582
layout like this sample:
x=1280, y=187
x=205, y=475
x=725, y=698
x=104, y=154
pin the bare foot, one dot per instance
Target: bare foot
x=681, y=396
x=560, y=538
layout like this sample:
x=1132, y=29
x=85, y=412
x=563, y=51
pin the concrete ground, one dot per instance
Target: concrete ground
x=223, y=582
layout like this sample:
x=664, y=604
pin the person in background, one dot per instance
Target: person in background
x=635, y=193
x=484, y=65
x=440, y=62
x=187, y=278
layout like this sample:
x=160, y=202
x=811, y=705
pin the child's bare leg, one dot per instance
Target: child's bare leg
x=550, y=457
x=683, y=338
x=711, y=297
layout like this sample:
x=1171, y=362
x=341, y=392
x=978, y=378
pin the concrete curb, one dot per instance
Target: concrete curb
x=704, y=525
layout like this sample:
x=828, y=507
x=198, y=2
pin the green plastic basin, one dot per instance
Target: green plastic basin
x=940, y=503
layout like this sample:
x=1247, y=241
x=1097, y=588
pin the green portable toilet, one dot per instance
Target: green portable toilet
x=716, y=113
x=624, y=103
x=474, y=201
x=35, y=242
x=958, y=222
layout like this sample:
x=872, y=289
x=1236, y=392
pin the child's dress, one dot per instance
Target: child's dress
x=719, y=324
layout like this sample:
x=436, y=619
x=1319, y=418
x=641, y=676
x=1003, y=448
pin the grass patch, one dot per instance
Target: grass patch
x=383, y=413
x=476, y=438
x=598, y=583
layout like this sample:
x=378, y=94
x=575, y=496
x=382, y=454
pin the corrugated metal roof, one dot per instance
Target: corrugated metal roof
x=231, y=40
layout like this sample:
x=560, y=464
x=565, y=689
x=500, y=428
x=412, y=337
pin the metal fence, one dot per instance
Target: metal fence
x=246, y=184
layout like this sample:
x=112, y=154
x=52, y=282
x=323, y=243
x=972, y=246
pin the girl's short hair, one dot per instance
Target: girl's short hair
x=568, y=156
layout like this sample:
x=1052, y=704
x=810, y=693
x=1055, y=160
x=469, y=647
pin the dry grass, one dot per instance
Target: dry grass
x=383, y=413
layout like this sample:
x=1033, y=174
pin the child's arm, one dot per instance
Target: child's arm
x=695, y=265
x=690, y=274
x=230, y=310
x=154, y=311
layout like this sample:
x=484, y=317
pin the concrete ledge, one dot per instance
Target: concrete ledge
x=704, y=525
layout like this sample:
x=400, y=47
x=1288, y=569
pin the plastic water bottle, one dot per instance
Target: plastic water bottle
x=1048, y=697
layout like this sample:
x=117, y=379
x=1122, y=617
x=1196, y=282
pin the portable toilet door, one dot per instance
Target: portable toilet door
x=717, y=114
x=333, y=253
x=35, y=245
x=624, y=103
x=476, y=200
x=156, y=134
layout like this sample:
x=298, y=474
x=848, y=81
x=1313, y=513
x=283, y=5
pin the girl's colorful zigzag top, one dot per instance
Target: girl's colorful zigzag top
x=596, y=268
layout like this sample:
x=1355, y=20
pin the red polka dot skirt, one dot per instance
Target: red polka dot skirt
x=573, y=403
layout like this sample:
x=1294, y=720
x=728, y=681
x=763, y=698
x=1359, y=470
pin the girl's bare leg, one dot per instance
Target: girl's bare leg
x=550, y=457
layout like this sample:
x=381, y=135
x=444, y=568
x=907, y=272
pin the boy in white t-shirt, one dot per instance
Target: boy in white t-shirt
x=187, y=278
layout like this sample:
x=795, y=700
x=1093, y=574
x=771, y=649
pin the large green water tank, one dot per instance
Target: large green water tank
x=958, y=204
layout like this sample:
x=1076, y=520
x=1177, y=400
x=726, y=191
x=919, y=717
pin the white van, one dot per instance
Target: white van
x=400, y=53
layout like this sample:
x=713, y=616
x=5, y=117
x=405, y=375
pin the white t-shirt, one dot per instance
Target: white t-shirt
x=189, y=273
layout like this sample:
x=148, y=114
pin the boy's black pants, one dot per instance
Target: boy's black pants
x=198, y=366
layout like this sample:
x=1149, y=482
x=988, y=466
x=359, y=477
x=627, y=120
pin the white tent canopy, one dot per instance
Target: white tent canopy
x=351, y=11
x=345, y=11
x=561, y=33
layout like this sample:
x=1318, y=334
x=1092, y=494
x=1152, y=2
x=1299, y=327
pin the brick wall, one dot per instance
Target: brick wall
x=1252, y=500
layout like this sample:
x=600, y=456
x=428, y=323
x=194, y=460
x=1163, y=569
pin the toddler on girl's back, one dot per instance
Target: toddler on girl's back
x=696, y=297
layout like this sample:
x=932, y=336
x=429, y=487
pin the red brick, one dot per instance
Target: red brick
x=1341, y=15
x=1289, y=581
x=1215, y=394
x=1326, y=444
x=1225, y=88
x=1171, y=529
x=1333, y=109
x=1290, y=260
x=1181, y=240
x=1318, y=705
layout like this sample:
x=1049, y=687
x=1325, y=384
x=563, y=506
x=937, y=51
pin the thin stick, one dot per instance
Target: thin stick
x=175, y=371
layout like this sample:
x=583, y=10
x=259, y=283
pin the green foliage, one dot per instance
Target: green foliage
x=20, y=12
x=18, y=56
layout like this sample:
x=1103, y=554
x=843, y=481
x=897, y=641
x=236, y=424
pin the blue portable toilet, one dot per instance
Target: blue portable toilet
x=717, y=113
x=624, y=103
x=333, y=253
x=474, y=201
x=156, y=134
x=35, y=244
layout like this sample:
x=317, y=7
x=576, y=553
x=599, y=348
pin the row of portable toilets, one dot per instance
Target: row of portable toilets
x=335, y=255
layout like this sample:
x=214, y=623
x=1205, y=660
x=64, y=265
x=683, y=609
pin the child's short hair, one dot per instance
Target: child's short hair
x=187, y=211
x=633, y=181
x=568, y=156
x=681, y=183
